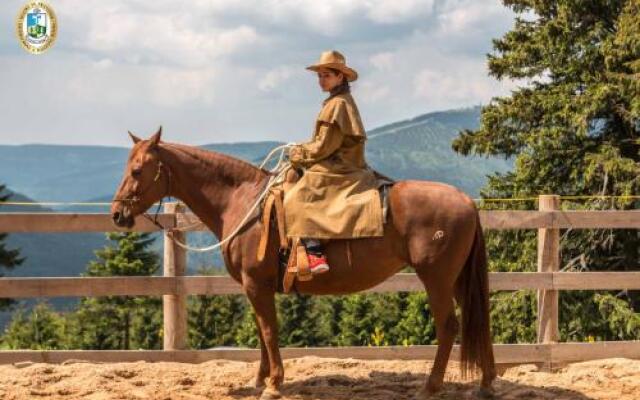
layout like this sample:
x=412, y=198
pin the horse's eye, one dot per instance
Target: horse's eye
x=136, y=172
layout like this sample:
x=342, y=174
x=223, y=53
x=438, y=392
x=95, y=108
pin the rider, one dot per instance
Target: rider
x=336, y=185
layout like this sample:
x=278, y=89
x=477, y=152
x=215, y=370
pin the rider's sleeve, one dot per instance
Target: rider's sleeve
x=327, y=140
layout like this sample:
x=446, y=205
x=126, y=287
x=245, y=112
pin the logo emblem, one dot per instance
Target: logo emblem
x=438, y=235
x=36, y=26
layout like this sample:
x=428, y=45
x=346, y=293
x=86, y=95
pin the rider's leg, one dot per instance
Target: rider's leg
x=317, y=260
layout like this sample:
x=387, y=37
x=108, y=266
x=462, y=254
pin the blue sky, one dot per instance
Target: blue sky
x=233, y=70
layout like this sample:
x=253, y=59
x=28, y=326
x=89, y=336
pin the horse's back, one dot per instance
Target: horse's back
x=415, y=202
x=416, y=209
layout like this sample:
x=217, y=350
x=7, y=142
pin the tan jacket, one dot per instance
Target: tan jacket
x=337, y=195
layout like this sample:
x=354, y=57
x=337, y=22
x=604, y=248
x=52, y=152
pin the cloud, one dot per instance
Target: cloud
x=385, y=11
x=224, y=70
x=382, y=61
x=276, y=77
x=136, y=35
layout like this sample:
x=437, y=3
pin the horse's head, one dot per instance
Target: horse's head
x=145, y=181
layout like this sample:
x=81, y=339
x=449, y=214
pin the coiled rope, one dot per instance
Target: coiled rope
x=278, y=171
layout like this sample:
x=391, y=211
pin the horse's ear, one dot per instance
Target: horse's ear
x=155, y=139
x=134, y=137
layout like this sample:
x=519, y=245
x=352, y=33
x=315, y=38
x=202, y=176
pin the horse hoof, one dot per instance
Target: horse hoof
x=485, y=393
x=270, y=394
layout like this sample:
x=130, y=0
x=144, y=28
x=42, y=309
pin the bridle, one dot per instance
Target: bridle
x=136, y=196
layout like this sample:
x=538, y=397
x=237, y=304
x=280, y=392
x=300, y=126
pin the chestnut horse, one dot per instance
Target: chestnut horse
x=433, y=227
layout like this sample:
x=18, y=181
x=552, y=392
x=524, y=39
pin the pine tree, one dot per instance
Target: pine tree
x=40, y=329
x=120, y=322
x=574, y=130
x=329, y=309
x=357, y=321
x=214, y=320
x=247, y=332
x=9, y=258
x=416, y=326
x=298, y=320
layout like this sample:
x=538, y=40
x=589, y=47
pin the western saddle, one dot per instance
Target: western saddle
x=272, y=213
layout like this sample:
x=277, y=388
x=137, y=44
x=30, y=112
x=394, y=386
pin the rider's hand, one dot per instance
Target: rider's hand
x=296, y=154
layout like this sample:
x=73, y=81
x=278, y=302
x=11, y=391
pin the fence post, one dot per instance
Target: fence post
x=548, y=261
x=174, y=306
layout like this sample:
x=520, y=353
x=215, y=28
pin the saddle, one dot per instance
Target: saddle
x=272, y=213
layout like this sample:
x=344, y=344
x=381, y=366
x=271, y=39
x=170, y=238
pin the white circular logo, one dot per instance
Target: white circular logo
x=36, y=26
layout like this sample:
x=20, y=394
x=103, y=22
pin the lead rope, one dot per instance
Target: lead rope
x=278, y=171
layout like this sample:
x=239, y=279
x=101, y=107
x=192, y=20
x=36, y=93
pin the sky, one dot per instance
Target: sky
x=234, y=70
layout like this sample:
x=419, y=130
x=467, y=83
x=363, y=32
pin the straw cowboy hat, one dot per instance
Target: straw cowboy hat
x=334, y=59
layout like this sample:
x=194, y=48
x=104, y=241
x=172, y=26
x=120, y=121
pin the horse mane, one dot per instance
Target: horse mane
x=217, y=161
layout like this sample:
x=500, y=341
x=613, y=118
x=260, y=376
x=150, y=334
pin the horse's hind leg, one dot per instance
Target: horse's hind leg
x=441, y=296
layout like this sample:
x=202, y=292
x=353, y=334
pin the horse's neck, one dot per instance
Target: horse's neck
x=219, y=189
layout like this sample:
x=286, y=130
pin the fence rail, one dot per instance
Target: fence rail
x=490, y=219
x=174, y=286
x=219, y=285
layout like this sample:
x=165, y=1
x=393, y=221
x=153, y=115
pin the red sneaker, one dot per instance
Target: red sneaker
x=317, y=264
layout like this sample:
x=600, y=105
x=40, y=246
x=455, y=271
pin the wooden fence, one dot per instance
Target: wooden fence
x=174, y=286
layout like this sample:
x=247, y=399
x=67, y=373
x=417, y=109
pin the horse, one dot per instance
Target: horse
x=430, y=226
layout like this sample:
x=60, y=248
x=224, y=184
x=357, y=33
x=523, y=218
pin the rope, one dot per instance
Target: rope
x=280, y=169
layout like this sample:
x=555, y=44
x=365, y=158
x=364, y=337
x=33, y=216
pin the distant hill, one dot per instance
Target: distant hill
x=78, y=173
x=48, y=254
x=419, y=148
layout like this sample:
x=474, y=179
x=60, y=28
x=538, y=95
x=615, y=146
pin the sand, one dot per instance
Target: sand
x=308, y=378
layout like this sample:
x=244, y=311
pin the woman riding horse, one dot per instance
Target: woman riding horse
x=431, y=226
x=336, y=197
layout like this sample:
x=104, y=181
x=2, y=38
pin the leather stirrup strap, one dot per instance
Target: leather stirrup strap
x=302, y=262
x=284, y=242
x=290, y=273
x=266, y=219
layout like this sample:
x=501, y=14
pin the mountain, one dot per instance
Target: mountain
x=47, y=254
x=77, y=173
x=420, y=148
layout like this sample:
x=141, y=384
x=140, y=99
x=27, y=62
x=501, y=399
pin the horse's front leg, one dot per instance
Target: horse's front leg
x=263, y=370
x=262, y=299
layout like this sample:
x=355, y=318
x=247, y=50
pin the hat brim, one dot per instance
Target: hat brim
x=350, y=73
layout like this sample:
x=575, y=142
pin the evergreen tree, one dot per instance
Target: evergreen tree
x=357, y=321
x=247, y=332
x=574, y=131
x=9, y=258
x=214, y=320
x=41, y=329
x=329, y=310
x=120, y=322
x=416, y=326
x=298, y=320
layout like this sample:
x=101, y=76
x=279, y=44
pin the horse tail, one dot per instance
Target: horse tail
x=476, y=349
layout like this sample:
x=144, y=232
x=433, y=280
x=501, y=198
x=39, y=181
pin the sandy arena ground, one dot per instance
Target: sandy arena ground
x=308, y=378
